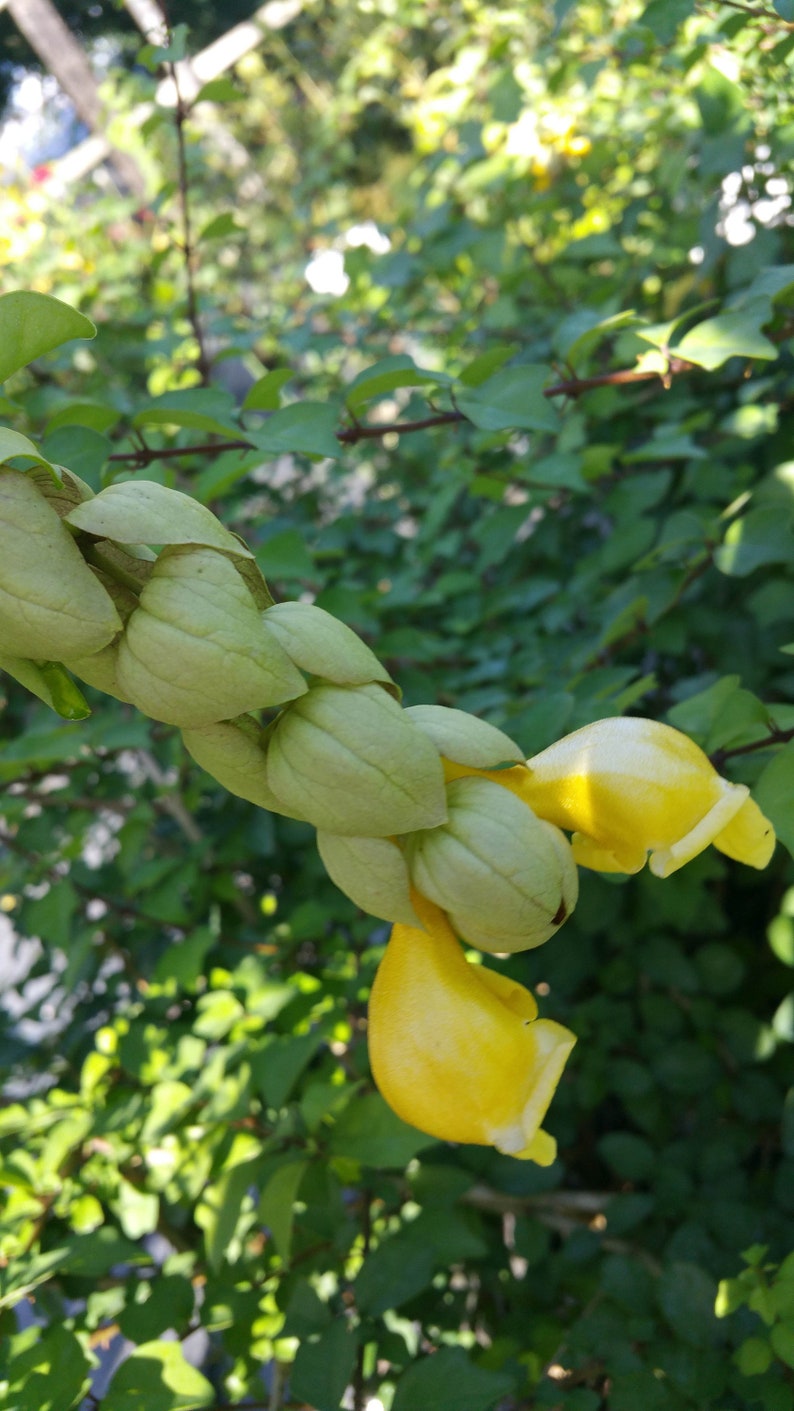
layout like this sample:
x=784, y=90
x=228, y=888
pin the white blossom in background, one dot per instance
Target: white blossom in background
x=367, y=233
x=740, y=217
x=325, y=272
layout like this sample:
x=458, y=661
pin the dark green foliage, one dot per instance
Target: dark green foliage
x=190, y=1141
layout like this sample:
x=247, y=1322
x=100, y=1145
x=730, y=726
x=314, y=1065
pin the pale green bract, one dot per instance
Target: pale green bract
x=465, y=738
x=506, y=879
x=372, y=872
x=51, y=604
x=323, y=646
x=233, y=752
x=143, y=512
x=194, y=650
x=350, y=760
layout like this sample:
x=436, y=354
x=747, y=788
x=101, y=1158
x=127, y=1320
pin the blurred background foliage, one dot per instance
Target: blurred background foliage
x=204, y=1201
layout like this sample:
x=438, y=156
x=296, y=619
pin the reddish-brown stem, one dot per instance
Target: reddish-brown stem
x=351, y=435
x=774, y=737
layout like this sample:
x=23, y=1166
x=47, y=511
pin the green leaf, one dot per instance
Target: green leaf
x=368, y=1131
x=731, y=335
x=780, y=934
x=396, y=1271
x=217, y=90
x=51, y=1375
x=96, y=415
x=696, y=714
x=687, y=1295
x=783, y=1019
x=265, y=396
x=82, y=449
x=760, y=537
x=19, y=1278
x=51, y=916
x=582, y=331
x=774, y=792
x=219, y=1210
x=277, y=1203
x=560, y=471
x=782, y=1340
x=484, y=366
x=305, y=428
x=32, y=324
x=511, y=399
x=165, y=1303
x=664, y=17
x=157, y=1376
x=787, y=1128
x=630, y=1156
x=449, y=1379
x=285, y=555
x=722, y=103
x=386, y=376
x=277, y=1067
x=220, y=226
x=323, y=1368
x=196, y=408
x=138, y=1210
x=143, y=512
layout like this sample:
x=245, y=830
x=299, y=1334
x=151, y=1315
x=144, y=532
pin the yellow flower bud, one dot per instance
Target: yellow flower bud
x=506, y=879
x=350, y=760
x=458, y=1050
x=51, y=604
x=194, y=651
x=627, y=787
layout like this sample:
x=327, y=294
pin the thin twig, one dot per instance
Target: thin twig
x=359, y=1391
x=170, y=802
x=143, y=457
x=181, y=112
x=278, y=1385
x=757, y=12
x=774, y=737
x=351, y=435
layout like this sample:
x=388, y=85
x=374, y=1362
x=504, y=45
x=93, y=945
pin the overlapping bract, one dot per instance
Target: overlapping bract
x=426, y=817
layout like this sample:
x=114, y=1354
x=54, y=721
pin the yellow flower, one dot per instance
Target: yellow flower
x=627, y=787
x=458, y=1050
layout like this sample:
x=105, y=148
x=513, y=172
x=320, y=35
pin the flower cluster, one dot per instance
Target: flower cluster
x=426, y=817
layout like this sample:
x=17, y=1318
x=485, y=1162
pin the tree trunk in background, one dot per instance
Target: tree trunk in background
x=60, y=52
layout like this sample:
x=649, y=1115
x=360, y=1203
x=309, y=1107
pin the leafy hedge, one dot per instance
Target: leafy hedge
x=205, y=1202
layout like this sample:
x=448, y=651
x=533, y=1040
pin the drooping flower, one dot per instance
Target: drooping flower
x=457, y=1050
x=627, y=787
